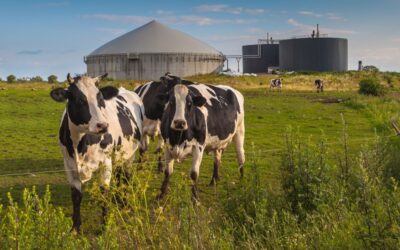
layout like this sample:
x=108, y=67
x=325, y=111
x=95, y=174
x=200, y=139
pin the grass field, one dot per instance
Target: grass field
x=30, y=155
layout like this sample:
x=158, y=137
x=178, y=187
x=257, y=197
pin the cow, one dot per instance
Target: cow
x=276, y=83
x=97, y=127
x=319, y=84
x=148, y=92
x=201, y=118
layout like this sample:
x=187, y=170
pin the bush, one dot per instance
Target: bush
x=371, y=86
x=371, y=68
x=36, y=79
x=11, y=78
x=52, y=79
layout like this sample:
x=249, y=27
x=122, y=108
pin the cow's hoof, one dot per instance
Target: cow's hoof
x=213, y=182
x=196, y=202
x=161, y=196
x=75, y=231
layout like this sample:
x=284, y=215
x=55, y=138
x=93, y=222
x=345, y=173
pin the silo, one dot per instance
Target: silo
x=313, y=54
x=150, y=51
x=258, y=57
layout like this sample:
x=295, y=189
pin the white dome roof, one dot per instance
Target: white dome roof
x=154, y=37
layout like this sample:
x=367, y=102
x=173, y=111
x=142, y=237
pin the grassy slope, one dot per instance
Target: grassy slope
x=30, y=121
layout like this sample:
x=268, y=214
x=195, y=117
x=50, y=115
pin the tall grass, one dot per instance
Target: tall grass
x=319, y=203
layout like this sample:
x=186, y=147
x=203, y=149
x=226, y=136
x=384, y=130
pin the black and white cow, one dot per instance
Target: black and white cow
x=319, y=84
x=201, y=118
x=154, y=109
x=96, y=125
x=276, y=83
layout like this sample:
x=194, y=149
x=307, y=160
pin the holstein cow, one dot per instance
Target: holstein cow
x=276, y=83
x=96, y=124
x=154, y=109
x=201, y=118
x=319, y=84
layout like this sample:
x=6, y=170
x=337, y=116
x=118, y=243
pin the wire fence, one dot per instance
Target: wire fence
x=229, y=155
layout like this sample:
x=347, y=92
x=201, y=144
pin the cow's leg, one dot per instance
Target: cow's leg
x=104, y=188
x=169, y=169
x=144, y=143
x=76, y=196
x=159, y=151
x=197, y=152
x=239, y=145
x=76, y=192
x=217, y=164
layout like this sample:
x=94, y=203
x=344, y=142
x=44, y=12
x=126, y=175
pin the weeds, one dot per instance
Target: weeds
x=319, y=205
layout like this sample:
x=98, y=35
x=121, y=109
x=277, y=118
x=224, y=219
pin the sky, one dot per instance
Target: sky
x=40, y=37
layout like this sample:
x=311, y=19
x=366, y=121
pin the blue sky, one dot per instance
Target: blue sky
x=51, y=37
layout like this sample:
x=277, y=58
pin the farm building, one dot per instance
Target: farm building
x=150, y=51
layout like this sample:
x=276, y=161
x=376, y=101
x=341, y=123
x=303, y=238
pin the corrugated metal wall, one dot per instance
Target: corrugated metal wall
x=152, y=66
x=268, y=57
x=313, y=54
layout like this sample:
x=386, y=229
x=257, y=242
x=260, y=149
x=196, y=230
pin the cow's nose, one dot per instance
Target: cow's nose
x=179, y=124
x=102, y=127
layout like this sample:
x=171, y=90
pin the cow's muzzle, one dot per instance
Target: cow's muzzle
x=179, y=125
x=101, y=128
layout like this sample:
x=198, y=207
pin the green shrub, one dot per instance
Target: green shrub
x=371, y=86
x=52, y=79
x=36, y=224
x=11, y=78
x=36, y=79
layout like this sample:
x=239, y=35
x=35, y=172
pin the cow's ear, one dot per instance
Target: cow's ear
x=59, y=94
x=100, y=78
x=199, y=101
x=109, y=92
x=162, y=98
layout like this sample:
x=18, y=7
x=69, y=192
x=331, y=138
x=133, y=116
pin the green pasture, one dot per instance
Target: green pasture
x=30, y=154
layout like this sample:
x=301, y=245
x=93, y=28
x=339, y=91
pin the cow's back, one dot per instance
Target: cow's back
x=223, y=110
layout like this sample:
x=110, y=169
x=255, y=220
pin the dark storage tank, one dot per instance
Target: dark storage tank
x=313, y=54
x=258, y=57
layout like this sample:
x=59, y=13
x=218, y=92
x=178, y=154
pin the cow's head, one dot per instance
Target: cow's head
x=85, y=106
x=181, y=103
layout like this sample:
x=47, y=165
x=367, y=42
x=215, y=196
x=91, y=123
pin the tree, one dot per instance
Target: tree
x=371, y=68
x=52, y=79
x=36, y=79
x=11, y=78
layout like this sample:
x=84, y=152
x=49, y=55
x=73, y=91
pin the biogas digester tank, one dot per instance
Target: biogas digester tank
x=313, y=54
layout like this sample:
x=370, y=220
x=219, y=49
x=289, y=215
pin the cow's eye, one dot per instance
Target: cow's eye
x=81, y=101
x=189, y=103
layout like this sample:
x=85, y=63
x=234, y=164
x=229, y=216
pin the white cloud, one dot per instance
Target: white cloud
x=121, y=18
x=170, y=19
x=329, y=16
x=164, y=12
x=224, y=8
x=218, y=8
x=113, y=31
x=307, y=29
x=255, y=11
x=385, y=57
x=309, y=13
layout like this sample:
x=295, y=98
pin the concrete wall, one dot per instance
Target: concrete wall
x=269, y=57
x=152, y=66
x=313, y=54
